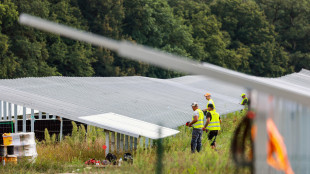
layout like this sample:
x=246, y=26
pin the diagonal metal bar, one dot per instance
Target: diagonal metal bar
x=166, y=60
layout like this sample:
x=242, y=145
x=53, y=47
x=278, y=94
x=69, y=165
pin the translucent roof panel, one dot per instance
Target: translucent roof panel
x=116, y=122
x=160, y=101
x=164, y=102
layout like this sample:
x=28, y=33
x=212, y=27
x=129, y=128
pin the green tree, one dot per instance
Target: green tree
x=249, y=29
x=292, y=21
x=152, y=23
x=8, y=61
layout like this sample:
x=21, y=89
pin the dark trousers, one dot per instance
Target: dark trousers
x=196, y=140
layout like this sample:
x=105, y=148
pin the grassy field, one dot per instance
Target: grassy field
x=69, y=155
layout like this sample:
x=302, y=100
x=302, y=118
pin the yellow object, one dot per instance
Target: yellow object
x=211, y=102
x=242, y=94
x=199, y=123
x=215, y=122
x=7, y=139
x=10, y=159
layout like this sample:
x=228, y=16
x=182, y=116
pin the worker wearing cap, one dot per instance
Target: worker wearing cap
x=244, y=99
x=213, y=124
x=210, y=101
x=197, y=124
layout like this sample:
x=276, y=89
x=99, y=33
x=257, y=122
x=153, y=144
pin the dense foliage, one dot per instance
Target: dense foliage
x=260, y=37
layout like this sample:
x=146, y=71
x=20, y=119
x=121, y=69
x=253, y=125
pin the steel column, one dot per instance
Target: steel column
x=40, y=115
x=118, y=142
x=10, y=111
x=4, y=110
x=131, y=142
x=15, y=118
x=32, y=120
x=126, y=143
x=107, y=142
x=24, y=119
x=0, y=109
x=146, y=142
x=112, y=142
x=61, y=127
x=135, y=143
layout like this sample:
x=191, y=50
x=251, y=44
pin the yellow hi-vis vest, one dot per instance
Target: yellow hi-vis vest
x=199, y=123
x=211, y=102
x=215, y=121
x=244, y=101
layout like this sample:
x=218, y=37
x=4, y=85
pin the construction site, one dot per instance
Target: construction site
x=144, y=118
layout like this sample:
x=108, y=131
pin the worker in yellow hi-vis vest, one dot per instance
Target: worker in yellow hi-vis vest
x=209, y=101
x=197, y=124
x=213, y=124
x=245, y=101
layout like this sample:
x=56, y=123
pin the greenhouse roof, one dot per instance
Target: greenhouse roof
x=164, y=102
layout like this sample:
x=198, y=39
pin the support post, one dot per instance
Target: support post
x=118, y=142
x=135, y=143
x=122, y=142
x=10, y=111
x=4, y=110
x=261, y=103
x=32, y=120
x=151, y=142
x=126, y=143
x=107, y=142
x=131, y=142
x=61, y=128
x=141, y=141
x=0, y=109
x=54, y=117
x=146, y=142
x=47, y=116
x=15, y=118
x=112, y=142
x=24, y=119
x=40, y=115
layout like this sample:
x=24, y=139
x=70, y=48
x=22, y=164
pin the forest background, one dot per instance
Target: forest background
x=267, y=38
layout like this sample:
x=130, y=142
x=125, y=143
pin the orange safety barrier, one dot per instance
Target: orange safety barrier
x=276, y=150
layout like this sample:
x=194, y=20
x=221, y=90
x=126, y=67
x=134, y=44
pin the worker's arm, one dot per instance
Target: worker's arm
x=205, y=110
x=206, y=125
x=194, y=121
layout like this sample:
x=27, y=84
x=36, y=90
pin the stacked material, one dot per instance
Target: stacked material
x=18, y=145
x=24, y=144
x=7, y=149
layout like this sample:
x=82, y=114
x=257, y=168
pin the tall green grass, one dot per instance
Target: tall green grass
x=70, y=154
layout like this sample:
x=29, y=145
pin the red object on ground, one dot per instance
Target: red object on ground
x=104, y=147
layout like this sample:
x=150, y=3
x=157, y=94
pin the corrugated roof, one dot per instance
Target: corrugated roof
x=116, y=122
x=163, y=102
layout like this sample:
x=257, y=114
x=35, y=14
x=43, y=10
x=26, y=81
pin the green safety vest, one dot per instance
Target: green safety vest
x=215, y=122
x=211, y=102
x=199, y=123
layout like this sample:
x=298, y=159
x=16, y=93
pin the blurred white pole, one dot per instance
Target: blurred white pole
x=166, y=60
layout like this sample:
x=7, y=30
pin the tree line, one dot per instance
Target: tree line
x=260, y=37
